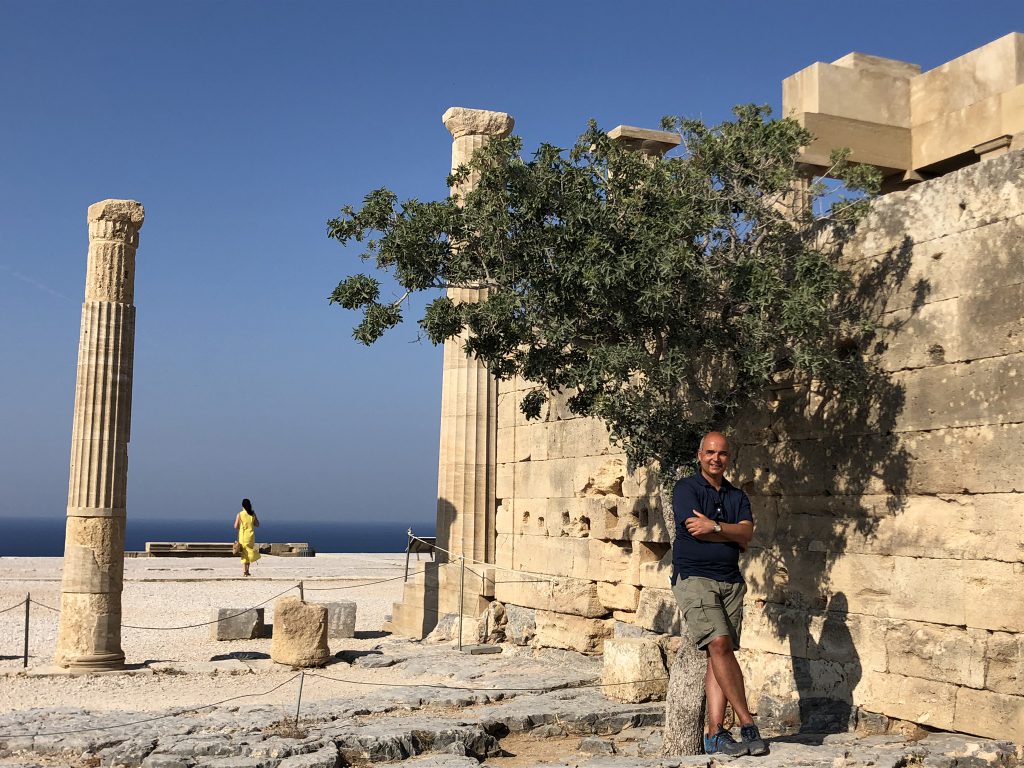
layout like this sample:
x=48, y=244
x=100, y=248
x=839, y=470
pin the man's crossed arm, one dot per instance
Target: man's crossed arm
x=703, y=528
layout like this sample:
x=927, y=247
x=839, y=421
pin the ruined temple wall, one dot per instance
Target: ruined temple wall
x=889, y=562
x=888, y=567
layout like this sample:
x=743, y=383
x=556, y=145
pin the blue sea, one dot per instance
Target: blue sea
x=44, y=537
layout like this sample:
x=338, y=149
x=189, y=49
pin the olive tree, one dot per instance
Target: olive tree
x=658, y=296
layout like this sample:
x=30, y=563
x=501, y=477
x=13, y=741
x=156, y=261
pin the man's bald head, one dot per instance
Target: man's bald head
x=715, y=435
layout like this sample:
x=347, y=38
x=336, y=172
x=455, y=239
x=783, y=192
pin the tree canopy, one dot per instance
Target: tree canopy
x=659, y=295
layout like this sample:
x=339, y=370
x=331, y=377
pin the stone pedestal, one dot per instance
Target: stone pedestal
x=90, y=619
x=300, y=633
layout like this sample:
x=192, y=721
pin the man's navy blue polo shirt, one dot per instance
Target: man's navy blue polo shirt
x=718, y=560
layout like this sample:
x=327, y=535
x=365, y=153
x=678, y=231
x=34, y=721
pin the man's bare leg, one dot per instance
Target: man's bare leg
x=716, y=701
x=729, y=677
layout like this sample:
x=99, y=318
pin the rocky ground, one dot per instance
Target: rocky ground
x=191, y=701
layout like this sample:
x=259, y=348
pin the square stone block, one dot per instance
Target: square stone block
x=341, y=618
x=237, y=624
x=633, y=670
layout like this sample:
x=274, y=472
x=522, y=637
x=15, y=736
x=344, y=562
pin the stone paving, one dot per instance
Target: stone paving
x=497, y=725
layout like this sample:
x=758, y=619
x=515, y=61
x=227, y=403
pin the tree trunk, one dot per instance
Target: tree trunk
x=684, y=704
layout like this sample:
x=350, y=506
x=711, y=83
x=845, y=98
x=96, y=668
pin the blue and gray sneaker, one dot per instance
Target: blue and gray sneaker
x=723, y=743
x=751, y=738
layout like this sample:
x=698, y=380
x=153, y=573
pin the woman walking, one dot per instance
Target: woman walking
x=246, y=524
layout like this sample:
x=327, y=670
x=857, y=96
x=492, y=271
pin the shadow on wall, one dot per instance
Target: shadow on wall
x=822, y=471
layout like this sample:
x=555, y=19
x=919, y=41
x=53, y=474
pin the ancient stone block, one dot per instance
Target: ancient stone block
x=928, y=702
x=557, y=557
x=341, y=618
x=976, y=261
x=1004, y=662
x=772, y=628
x=633, y=670
x=927, y=590
x=954, y=331
x=611, y=561
x=985, y=713
x=237, y=624
x=566, y=595
x=963, y=395
x=658, y=611
x=559, y=630
x=848, y=638
x=657, y=573
x=577, y=437
x=993, y=591
x=520, y=624
x=300, y=633
x=623, y=597
x=936, y=652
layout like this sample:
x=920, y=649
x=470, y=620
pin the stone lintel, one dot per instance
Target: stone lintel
x=646, y=140
x=461, y=121
x=130, y=211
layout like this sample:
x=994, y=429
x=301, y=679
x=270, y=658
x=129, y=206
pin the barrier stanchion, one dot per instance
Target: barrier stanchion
x=298, y=704
x=28, y=603
x=408, y=550
x=462, y=595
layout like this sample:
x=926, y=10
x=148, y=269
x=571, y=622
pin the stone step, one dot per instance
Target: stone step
x=410, y=621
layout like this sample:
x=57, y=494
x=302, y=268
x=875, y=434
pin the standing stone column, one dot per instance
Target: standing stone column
x=90, y=618
x=468, y=458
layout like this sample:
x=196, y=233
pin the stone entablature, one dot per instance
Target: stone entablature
x=913, y=125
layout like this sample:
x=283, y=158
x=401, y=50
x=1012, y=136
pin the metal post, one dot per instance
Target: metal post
x=408, y=549
x=28, y=602
x=298, y=704
x=302, y=594
x=462, y=592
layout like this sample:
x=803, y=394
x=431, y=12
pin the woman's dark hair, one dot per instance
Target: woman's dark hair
x=247, y=506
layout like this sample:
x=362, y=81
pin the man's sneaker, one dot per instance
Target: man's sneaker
x=723, y=743
x=707, y=744
x=752, y=739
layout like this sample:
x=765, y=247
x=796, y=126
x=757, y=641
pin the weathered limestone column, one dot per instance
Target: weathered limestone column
x=90, y=618
x=467, y=462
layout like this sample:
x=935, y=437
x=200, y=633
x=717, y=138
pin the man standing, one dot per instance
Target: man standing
x=713, y=524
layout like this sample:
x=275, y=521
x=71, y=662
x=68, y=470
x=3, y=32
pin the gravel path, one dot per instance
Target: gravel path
x=171, y=592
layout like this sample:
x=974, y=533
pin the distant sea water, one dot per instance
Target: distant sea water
x=44, y=537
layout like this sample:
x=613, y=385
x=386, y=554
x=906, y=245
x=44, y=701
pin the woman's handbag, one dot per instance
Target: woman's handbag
x=236, y=547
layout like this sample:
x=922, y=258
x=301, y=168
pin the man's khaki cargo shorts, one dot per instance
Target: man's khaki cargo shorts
x=711, y=608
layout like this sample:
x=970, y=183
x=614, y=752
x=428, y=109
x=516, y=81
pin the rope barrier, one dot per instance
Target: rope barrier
x=543, y=576
x=16, y=605
x=353, y=586
x=176, y=713
x=186, y=710
x=220, y=619
x=535, y=689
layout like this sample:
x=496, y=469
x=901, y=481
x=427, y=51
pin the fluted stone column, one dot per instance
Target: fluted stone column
x=468, y=458
x=90, y=619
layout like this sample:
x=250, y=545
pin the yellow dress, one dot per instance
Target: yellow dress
x=247, y=537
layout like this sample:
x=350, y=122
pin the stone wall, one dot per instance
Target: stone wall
x=888, y=564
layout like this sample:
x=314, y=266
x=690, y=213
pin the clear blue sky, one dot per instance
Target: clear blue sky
x=242, y=126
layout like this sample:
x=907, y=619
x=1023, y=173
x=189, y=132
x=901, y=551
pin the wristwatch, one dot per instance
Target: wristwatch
x=718, y=528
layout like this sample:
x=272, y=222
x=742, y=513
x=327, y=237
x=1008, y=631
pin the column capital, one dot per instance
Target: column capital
x=127, y=211
x=649, y=142
x=461, y=121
